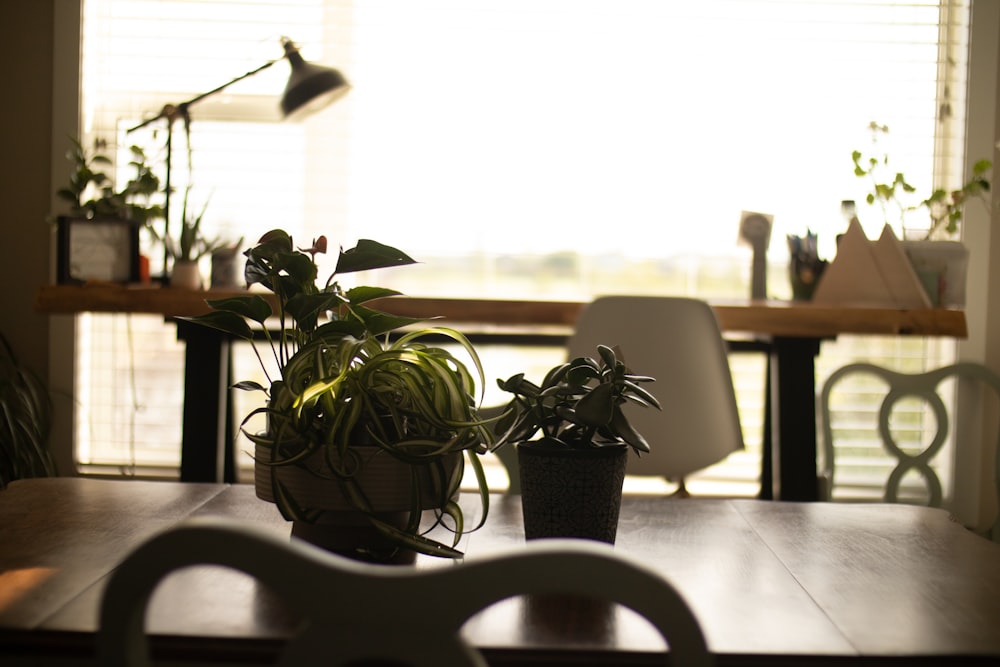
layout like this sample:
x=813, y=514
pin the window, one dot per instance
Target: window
x=529, y=148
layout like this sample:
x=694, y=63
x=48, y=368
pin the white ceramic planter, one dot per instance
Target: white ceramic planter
x=941, y=267
x=185, y=275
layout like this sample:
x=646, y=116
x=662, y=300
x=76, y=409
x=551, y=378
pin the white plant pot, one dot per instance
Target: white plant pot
x=941, y=267
x=185, y=275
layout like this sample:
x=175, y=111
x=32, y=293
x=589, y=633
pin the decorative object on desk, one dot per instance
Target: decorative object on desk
x=310, y=88
x=867, y=273
x=755, y=230
x=571, y=477
x=25, y=420
x=99, y=239
x=358, y=394
x=225, y=270
x=805, y=267
x=944, y=208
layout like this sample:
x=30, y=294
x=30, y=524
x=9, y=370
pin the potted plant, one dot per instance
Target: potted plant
x=368, y=423
x=943, y=207
x=189, y=247
x=939, y=261
x=99, y=238
x=25, y=420
x=572, y=473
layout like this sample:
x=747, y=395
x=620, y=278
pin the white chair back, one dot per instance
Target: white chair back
x=898, y=385
x=358, y=611
x=677, y=340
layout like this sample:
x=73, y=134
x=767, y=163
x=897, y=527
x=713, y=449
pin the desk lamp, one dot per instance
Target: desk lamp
x=310, y=88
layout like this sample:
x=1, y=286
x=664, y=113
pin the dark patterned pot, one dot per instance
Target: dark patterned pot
x=571, y=492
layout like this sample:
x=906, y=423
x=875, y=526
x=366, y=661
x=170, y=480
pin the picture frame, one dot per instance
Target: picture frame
x=100, y=249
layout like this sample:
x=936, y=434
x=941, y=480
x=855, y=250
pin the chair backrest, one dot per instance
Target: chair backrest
x=923, y=386
x=350, y=608
x=676, y=340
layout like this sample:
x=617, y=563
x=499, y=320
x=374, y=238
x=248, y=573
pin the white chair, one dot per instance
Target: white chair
x=676, y=340
x=351, y=608
x=897, y=385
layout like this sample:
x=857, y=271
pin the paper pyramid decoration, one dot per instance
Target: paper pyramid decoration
x=870, y=273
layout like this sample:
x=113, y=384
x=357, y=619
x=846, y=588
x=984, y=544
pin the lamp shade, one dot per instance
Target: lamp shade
x=310, y=87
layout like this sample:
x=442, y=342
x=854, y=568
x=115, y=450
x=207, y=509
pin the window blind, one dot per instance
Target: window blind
x=539, y=148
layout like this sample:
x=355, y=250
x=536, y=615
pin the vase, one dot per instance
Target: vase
x=571, y=492
x=941, y=267
x=338, y=525
x=185, y=275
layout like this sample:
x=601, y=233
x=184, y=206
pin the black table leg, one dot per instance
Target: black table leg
x=766, y=460
x=206, y=454
x=793, y=405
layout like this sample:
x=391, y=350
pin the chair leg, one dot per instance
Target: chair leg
x=681, y=491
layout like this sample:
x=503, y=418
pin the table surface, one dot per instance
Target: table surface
x=775, y=318
x=772, y=582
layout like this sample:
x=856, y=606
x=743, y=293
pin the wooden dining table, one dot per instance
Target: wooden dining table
x=789, y=333
x=772, y=583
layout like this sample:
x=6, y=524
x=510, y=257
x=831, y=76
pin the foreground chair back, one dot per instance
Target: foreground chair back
x=677, y=340
x=923, y=386
x=357, y=611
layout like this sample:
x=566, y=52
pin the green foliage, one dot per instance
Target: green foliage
x=944, y=207
x=578, y=405
x=350, y=376
x=25, y=420
x=91, y=192
x=191, y=244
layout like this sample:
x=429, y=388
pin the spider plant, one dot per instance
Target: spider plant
x=25, y=419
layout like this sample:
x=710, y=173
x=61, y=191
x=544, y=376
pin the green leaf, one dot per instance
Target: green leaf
x=249, y=385
x=368, y=254
x=378, y=322
x=596, y=408
x=339, y=329
x=278, y=239
x=621, y=425
x=226, y=322
x=418, y=543
x=306, y=308
x=253, y=307
x=363, y=293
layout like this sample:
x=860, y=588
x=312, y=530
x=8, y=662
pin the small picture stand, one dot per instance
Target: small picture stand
x=755, y=231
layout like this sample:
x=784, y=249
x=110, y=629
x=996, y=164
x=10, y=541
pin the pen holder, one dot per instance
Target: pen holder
x=804, y=275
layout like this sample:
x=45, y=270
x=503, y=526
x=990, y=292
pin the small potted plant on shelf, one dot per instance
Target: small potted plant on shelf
x=368, y=423
x=189, y=247
x=944, y=208
x=99, y=238
x=939, y=260
x=572, y=474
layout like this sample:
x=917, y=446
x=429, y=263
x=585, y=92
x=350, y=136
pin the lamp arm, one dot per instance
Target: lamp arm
x=173, y=111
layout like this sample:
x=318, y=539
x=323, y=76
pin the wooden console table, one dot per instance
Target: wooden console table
x=790, y=332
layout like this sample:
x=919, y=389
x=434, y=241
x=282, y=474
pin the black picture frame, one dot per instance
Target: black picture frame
x=101, y=249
